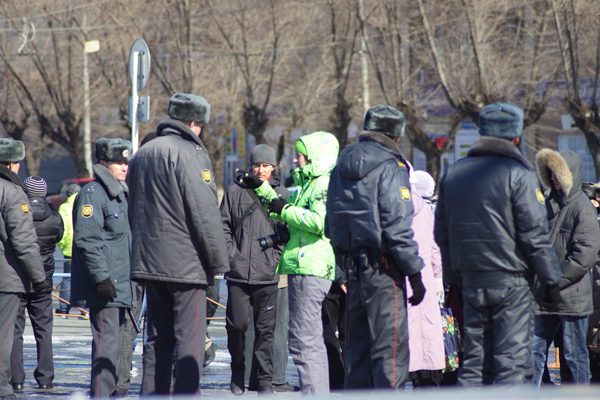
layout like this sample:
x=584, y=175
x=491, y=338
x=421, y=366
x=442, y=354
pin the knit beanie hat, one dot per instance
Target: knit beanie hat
x=425, y=184
x=301, y=148
x=72, y=189
x=263, y=153
x=36, y=186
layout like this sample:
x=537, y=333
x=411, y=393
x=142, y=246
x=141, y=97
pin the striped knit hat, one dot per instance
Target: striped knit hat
x=36, y=186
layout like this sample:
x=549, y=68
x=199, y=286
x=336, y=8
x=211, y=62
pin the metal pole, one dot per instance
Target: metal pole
x=364, y=67
x=87, y=135
x=134, y=102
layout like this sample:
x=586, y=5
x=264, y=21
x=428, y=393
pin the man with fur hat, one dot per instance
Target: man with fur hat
x=49, y=229
x=491, y=227
x=252, y=281
x=369, y=216
x=575, y=235
x=20, y=261
x=101, y=251
x=178, y=243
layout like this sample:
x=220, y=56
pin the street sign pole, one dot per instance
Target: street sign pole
x=139, y=70
x=134, y=103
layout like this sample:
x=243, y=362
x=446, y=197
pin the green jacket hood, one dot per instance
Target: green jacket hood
x=323, y=149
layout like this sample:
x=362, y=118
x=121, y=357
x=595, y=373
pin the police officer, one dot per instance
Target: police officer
x=369, y=214
x=178, y=243
x=49, y=229
x=492, y=231
x=101, y=250
x=20, y=261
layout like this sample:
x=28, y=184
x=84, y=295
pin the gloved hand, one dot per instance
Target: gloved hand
x=39, y=286
x=277, y=205
x=552, y=296
x=106, y=289
x=250, y=180
x=418, y=289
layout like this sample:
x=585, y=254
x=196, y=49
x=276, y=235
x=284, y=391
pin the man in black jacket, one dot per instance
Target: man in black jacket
x=252, y=281
x=369, y=214
x=49, y=229
x=575, y=236
x=101, y=251
x=20, y=260
x=491, y=227
x=178, y=243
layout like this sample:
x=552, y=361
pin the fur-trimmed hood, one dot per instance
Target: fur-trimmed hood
x=566, y=165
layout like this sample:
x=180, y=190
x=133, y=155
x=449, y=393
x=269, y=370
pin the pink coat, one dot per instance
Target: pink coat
x=425, y=340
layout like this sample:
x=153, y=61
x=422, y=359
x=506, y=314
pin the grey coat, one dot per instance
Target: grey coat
x=249, y=262
x=574, y=231
x=175, y=219
x=101, y=242
x=20, y=260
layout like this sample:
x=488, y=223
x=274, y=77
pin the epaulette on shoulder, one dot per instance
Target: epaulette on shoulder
x=91, y=188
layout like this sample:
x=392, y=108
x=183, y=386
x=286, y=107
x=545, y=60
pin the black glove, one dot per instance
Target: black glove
x=39, y=286
x=277, y=205
x=106, y=289
x=552, y=296
x=418, y=289
x=250, y=180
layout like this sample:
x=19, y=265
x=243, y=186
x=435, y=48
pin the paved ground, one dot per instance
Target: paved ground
x=72, y=349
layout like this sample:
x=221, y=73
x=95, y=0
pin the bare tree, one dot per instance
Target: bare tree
x=579, y=30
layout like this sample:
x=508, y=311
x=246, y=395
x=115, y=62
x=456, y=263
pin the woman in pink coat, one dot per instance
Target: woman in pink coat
x=425, y=341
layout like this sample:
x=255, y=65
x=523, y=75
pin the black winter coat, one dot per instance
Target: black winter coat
x=49, y=229
x=177, y=230
x=249, y=263
x=369, y=205
x=574, y=231
x=490, y=217
x=20, y=261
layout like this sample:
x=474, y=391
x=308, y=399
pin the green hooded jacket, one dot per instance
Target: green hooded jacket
x=308, y=252
x=66, y=212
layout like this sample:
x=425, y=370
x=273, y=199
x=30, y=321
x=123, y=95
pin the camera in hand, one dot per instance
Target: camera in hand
x=279, y=237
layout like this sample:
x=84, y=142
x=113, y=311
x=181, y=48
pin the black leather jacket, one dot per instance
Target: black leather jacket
x=491, y=218
x=369, y=204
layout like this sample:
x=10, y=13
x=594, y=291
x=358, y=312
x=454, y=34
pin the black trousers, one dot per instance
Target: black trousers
x=176, y=315
x=39, y=306
x=377, y=335
x=263, y=299
x=126, y=352
x=334, y=320
x=9, y=306
x=498, y=328
x=107, y=324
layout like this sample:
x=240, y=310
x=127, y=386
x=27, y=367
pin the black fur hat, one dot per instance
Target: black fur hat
x=189, y=107
x=386, y=120
x=11, y=150
x=116, y=150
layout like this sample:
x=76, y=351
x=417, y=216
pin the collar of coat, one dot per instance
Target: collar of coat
x=491, y=146
x=175, y=127
x=114, y=187
x=372, y=136
x=7, y=174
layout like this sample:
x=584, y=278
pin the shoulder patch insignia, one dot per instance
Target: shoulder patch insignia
x=206, y=176
x=24, y=208
x=405, y=193
x=539, y=195
x=87, y=210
